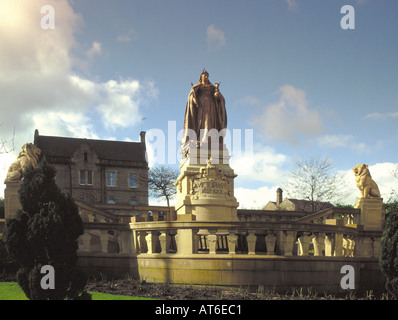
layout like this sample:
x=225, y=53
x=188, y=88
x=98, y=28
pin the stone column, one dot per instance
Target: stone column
x=187, y=241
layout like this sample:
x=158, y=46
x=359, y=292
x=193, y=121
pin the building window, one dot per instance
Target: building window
x=133, y=180
x=85, y=156
x=111, y=178
x=86, y=177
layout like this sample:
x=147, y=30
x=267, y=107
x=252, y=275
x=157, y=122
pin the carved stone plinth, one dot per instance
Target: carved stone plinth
x=205, y=187
x=372, y=213
x=11, y=198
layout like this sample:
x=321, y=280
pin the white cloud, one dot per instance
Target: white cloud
x=289, y=118
x=215, y=38
x=254, y=198
x=341, y=140
x=37, y=77
x=292, y=4
x=264, y=165
x=127, y=37
x=39, y=87
x=249, y=101
x=378, y=115
x=96, y=49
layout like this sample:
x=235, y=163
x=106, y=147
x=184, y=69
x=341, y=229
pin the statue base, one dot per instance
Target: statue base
x=372, y=213
x=11, y=199
x=205, y=187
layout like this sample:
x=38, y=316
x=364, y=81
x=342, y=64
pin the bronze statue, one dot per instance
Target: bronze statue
x=205, y=110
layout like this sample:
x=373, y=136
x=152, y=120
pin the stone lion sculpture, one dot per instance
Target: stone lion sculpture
x=29, y=155
x=364, y=182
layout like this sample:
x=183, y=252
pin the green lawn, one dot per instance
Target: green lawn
x=12, y=291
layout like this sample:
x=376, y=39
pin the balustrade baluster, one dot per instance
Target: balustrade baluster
x=104, y=237
x=319, y=242
x=251, y=242
x=86, y=242
x=232, y=242
x=164, y=240
x=270, y=240
x=304, y=244
x=212, y=241
x=288, y=243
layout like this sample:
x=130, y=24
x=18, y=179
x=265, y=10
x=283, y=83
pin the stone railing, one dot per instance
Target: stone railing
x=269, y=216
x=139, y=213
x=102, y=237
x=329, y=233
x=348, y=216
x=254, y=238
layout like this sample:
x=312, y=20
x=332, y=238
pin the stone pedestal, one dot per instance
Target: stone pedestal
x=372, y=213
x=11, y=199
x=205, y=187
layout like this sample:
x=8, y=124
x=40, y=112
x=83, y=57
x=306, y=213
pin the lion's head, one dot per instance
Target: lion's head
x=30, y=151
x=29, y=155
x=361, y=169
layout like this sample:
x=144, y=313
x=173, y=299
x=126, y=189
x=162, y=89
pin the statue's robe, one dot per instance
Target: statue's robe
x=207, y=113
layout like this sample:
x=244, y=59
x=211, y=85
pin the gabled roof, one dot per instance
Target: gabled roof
x=62, y=147
x=305, y=205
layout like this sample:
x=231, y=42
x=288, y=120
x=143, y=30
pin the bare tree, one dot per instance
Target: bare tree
x=314, y=180
x=7, y=146
x=161, y=182
x=394, y=173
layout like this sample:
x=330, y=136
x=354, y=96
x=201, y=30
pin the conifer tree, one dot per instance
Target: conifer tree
x=389, y=249
x=45, y=232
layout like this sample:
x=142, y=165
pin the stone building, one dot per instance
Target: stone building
x=98, y=171
x=295, y=204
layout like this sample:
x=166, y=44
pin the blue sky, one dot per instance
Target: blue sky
x=288, y=71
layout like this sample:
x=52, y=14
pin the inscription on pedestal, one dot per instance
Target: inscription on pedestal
x=211, y=182
x=210, y=189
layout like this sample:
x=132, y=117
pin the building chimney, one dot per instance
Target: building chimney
x=143, y=144
x=279, y=196
x=36, y=137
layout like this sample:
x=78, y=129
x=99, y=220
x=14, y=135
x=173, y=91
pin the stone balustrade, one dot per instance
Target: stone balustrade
x=125, y=213
x=254, y=238
x=102, y=237
x=246, y=215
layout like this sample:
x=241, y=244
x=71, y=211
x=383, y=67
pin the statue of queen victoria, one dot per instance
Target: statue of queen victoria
x=205, y=110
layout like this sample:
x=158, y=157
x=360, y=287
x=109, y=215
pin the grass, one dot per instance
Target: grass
x=12, y=291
